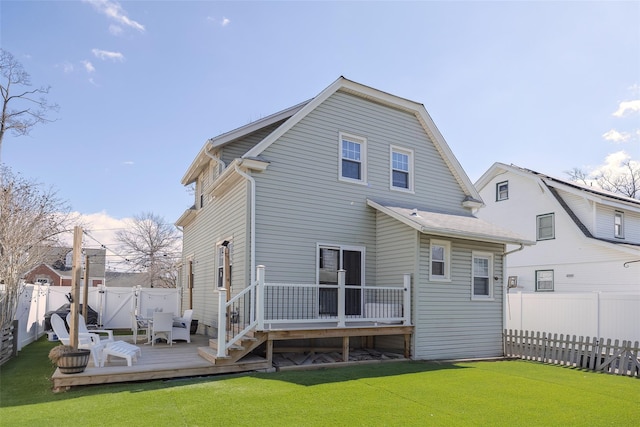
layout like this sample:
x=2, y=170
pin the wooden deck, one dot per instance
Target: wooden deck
x=157, y=362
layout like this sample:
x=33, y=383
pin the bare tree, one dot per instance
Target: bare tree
x=625, y=182
x=154, y=247
x=31, y=220
x=22, y=108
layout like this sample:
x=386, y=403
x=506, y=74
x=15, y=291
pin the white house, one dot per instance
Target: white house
x=586, y=239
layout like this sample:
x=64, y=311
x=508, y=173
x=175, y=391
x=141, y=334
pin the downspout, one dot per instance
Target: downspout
x=506, y=288
x=217, y=160
x=252, y=243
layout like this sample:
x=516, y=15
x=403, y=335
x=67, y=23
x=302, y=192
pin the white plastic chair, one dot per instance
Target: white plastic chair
x=82, y=328
x=85, y=340
x=162, y=325
x=139, y=323
x=182, y=332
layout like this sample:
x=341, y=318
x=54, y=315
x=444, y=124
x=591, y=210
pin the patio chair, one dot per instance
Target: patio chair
x=182, y=327
x=162, y=325
x=82, y=328
x=139, y=323
x=85, y=340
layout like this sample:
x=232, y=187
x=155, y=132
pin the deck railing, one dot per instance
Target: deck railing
x=266, y=306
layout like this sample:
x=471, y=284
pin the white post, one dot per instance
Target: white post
x=341, y=298
x=260, y=297
x=222, y=322
x=407, y=298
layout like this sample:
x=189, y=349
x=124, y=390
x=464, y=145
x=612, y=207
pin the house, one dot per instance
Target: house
x=363, y=220
x=120, y=279
x=587, y=239
x=56, y=270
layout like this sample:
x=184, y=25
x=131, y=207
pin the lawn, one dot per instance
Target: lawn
x=509, y=393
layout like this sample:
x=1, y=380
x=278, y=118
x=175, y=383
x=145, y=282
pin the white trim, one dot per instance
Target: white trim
x=411, y=172
x=447, y=261
x=482, y=255
x=616, y=215
x=362, y=141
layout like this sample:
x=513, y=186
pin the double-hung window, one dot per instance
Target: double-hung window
x=482, y=274
x=544, y=280
x=440, y=260
x=545, y=229
x=401, y=169
x=353, y=159
x=618, y=225
x=502, y=191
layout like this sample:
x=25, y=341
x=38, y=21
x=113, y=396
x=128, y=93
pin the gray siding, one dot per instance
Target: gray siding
x=224, y=217
x=237, y=148
x=398, y=253
x=300, y=200
x=448, y=323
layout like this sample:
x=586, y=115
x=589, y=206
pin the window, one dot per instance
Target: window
x=544, y=280
x=482, y=274
x=618, y=225
x=353, y=158
x=401, y=169
x=544, y=227
x=502, y=191
x=439, y=259
x=221, y=261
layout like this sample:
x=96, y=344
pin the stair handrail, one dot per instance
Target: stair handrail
x=223, y=307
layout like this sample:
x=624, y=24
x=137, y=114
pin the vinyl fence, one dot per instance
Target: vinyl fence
x=589, y=314
x=115, y=306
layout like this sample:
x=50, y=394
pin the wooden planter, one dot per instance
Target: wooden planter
x=74, y=362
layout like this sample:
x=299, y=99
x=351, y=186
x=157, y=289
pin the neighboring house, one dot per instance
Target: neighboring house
x=56, y=270
x=358, y=180
x=587, y=239
x=118, y=279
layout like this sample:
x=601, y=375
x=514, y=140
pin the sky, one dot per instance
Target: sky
x=141, y=85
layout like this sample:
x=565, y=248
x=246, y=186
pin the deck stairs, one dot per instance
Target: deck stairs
x=236, y=352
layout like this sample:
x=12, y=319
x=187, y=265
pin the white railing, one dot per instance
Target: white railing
x=264, y=306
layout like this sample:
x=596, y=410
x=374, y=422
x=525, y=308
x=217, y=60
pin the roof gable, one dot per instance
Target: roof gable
x=357, y=89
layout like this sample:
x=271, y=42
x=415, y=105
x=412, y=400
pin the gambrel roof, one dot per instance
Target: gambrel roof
x=295, y=114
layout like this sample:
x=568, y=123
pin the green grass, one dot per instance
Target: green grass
x=509, y=393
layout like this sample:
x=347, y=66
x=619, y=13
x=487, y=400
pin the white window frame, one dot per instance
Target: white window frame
x=618, y=224
x=537, y=280
x=499, y=193
x=446, y=277
x=363, y=157
x=341, y=249
x=220, y=260
x=410, y=173
x=489, y=257
x=553, y=226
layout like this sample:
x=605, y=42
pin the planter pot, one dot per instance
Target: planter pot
x=74, y=362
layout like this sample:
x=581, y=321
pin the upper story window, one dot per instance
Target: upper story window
x=482, y=274
x=502, y=191
x=544, y=280
x=401, y=169
x=545, y=229
x=440, y=260
x=353, y=159
x=618, y=225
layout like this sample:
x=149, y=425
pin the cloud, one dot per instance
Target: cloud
x=114, y=11
x=613, y=164
x=128, y=162
x=88, y=66
x=67, y=67
x=116, y=30
x=627, y=106
x=225, y=22
x=615, y=136
x=105, y=54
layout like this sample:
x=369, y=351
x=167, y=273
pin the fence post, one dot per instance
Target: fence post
x=222, y=322
x=260, y=297
x=341, y=298
x=407, y=299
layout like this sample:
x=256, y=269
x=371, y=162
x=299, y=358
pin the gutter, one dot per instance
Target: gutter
x=252, y=254
x=515, y=250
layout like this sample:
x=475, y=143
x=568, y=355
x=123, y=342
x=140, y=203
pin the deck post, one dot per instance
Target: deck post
x=341, y=298
x=407, y=299
x=260, y=297
x=222, y=322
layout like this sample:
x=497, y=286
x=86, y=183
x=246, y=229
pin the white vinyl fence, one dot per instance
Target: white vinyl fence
x=590, y=314
x=115, y=306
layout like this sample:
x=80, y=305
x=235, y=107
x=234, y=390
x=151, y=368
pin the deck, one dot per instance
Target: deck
x=157, y=362
x=185, y=360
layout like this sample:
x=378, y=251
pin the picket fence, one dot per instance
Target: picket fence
x=596, y=354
